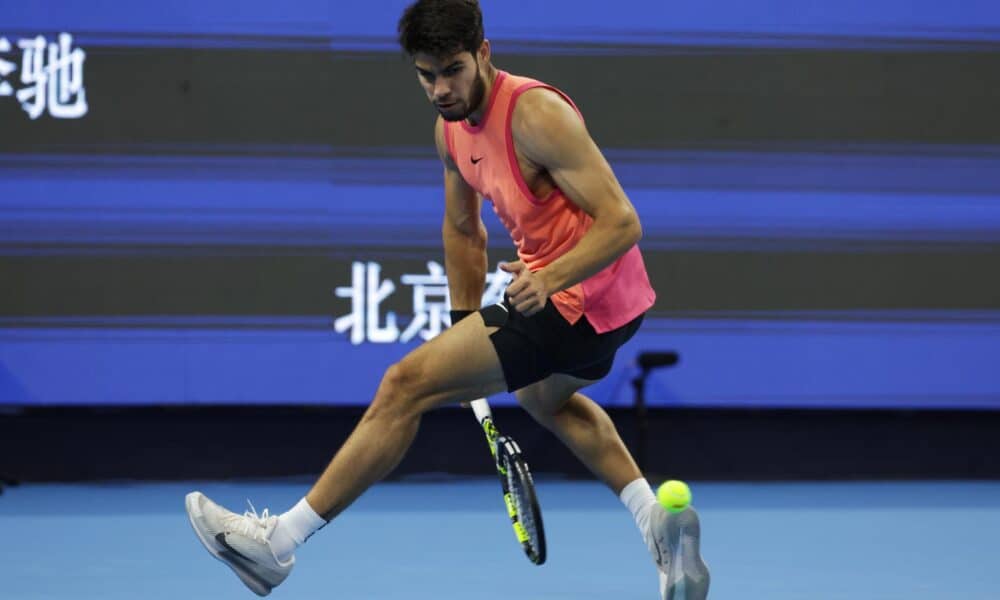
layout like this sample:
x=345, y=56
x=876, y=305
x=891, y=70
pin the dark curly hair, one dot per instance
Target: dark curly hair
x=441, y=27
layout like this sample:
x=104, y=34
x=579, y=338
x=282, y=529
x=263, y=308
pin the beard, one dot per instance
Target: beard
x=463, y=109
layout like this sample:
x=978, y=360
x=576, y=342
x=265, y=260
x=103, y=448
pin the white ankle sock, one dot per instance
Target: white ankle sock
x=639, y=499
x=294, y=528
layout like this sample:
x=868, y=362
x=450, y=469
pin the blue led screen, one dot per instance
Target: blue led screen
x=195, y=197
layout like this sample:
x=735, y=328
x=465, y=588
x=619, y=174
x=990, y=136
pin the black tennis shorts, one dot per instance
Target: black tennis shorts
x=532, y=348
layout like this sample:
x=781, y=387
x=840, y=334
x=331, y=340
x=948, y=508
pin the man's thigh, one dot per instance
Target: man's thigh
x=548, y=395
x=461, y=364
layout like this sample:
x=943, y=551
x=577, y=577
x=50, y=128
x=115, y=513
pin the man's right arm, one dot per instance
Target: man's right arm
x=463, y=233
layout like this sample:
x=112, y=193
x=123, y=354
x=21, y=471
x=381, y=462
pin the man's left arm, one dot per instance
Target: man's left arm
x=548, y=132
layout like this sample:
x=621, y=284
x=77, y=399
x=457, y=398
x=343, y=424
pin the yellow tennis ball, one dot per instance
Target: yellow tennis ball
x=674, y=495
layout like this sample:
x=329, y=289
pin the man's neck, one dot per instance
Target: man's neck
x=476, y=117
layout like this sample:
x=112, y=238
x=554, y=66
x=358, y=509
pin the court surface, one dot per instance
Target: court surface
x=449, y=538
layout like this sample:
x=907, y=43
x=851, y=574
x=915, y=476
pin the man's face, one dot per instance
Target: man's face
x=453, y=84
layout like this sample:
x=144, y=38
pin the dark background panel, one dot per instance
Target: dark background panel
x=262, y=281
x=283, y=97
x=79, y=444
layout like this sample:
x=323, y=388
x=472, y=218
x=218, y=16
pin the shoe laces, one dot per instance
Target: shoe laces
x=249, y=523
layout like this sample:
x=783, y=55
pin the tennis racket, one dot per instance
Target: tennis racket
x=517, y=485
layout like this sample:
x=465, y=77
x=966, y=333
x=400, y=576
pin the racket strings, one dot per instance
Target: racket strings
x=522, y=504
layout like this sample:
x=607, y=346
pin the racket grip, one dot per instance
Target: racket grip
x=482, y=410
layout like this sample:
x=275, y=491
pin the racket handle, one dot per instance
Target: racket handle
x=482, y=410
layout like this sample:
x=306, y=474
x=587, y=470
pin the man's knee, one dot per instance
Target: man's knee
x=542, y=407
x=399, y=391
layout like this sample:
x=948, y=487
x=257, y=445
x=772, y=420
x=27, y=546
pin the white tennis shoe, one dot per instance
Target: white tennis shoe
x=675, y=545
x=240, y=541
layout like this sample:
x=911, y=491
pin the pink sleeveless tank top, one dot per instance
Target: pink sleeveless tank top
x=543, y=229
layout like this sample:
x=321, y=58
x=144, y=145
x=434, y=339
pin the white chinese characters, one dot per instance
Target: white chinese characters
x=52, y=74
x=430, y=303
x=6, y=68
x=367, y=292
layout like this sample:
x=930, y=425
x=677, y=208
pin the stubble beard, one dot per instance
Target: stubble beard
x=475, y=99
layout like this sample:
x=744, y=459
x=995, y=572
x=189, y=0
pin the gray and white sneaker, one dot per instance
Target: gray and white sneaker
x=675, y=545
x=240, y=541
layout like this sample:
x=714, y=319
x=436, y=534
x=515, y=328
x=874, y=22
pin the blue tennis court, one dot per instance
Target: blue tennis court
x=449, y=538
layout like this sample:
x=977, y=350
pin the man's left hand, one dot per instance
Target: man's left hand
x=528, y=293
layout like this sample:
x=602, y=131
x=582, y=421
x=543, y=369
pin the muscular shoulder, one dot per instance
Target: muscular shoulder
x=541, y=110
x=543, y=122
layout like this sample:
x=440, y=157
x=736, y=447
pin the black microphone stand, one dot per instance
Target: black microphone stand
x=647, y=362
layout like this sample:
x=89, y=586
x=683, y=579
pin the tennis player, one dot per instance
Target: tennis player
x=578, y=293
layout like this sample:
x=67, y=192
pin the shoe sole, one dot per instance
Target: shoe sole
x=252, y=581
x=689, y=576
